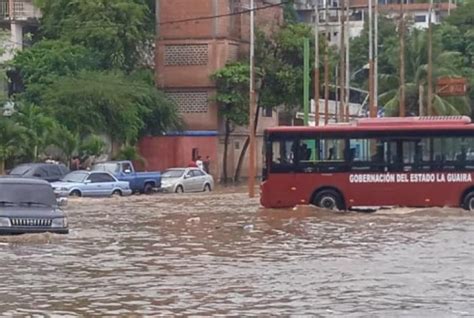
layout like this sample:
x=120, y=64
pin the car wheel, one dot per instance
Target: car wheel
x=148, y=189
x=328, y=199
x=179, y=189
x=117, y=193
x=207, y=187
x=468, y=202
x=76, y=193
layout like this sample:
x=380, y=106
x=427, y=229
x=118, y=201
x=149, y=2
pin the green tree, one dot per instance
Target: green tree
x=232, y=83
x=12, y=138
x=445, y=63
x=279, y=61
x=38, y=128
x=117, y=31
x=111, y=103
x=47, y=60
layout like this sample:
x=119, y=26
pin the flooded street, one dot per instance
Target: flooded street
x=220, y=253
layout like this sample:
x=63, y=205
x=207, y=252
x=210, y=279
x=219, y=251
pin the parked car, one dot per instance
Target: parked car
x=47, y=171
x=90, y=183
x=186, y=180
x=143, y=182
x=30, y=206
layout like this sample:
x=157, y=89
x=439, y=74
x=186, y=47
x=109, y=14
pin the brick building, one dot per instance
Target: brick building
x=192, y=43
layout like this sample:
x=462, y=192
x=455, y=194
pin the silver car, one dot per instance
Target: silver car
x=186, y=180
x=91, y=183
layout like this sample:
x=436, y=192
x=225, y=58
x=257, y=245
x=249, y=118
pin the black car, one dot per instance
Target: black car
x=50, y=172
x=30, y=206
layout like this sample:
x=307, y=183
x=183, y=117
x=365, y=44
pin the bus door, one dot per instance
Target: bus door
x=282, y=171
x=370, y=181
x=415, y=179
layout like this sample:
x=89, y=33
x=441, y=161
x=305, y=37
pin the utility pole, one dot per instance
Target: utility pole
x=376, y=57
x=401, y=31
x=316, y=62
x=326, y=68
x=348, y=84
x=430, y=61
x=371, y=62
x=252, y=146
x=342, y=59
x=306, y=82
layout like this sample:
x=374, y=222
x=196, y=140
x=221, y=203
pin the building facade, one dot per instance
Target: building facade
x=19, y=17
x=194, y=40
x=330, y=17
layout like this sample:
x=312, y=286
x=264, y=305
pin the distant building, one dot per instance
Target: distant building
x=330, y=23
x=18, y=17
x=195, y=39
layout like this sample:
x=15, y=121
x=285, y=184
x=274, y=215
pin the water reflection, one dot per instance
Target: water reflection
x=222, y=254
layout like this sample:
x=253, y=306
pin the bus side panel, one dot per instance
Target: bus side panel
x=279, y=191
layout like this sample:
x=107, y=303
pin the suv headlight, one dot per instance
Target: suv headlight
x=5, y=222
x=59, y=222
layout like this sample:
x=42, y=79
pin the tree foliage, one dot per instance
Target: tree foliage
x=88, y=72
x=115, y=106
x=116, y=31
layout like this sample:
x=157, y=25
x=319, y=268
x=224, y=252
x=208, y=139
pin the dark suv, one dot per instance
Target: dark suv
x=47, y=171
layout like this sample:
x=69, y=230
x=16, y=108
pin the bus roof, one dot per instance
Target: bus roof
x=386, y=124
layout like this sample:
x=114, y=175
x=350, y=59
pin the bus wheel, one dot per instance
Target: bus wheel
x=468, y=202
x=328, y=199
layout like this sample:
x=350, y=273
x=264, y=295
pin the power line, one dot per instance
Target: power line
x=225, y=15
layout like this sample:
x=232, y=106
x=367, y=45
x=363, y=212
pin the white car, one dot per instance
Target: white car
x=186, y=180
x=83, y=183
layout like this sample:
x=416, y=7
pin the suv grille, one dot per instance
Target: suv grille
x=30, y=222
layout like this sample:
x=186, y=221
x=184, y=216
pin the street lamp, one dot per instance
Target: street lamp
x=363, y=68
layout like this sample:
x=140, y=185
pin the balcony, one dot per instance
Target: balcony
x=18, y=10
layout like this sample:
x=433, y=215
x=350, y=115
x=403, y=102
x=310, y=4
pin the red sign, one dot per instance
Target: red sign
x=451, y=86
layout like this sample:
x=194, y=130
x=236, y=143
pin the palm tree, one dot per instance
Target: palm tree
x=416, y=79
x=12, y=140
x=39, y=128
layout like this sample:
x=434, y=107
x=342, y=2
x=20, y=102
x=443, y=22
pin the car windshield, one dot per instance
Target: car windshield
x=21, y=170
x=24, y=193
x=111, y=167
x=173, y=173
x=76, y=176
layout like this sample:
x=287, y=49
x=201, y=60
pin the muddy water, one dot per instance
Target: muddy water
x=221, y=254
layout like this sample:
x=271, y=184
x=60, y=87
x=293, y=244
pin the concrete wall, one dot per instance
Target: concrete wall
x=165, y=152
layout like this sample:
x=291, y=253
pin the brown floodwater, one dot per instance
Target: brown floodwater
x=221, y=254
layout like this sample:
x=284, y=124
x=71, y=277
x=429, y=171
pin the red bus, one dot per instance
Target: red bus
x=413, y=161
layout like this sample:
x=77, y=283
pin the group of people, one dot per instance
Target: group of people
x=204, y=165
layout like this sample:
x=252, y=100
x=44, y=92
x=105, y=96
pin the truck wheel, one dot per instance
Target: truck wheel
x=148, y=189
x=328, y=199
x=468, y=202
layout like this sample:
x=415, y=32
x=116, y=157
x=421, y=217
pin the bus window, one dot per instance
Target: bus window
x=453, y=152
x=283, y=155
x=366, y=154
x=308, y=151
x=416, y=154
x=332, y=155
x=332, y=150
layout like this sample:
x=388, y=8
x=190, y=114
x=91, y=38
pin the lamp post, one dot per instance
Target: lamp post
x=252, y=102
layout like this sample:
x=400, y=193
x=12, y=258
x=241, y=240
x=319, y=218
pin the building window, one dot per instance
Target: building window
x=267, y=112
x=195, y=54
x=420, y=18
x=190, y=101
